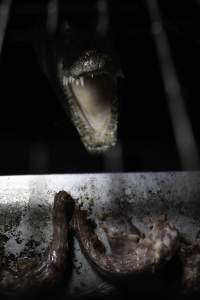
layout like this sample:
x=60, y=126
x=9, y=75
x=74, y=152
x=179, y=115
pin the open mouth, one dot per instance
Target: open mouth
x=92, y=96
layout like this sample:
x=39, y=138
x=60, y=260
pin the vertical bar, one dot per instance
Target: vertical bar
x=113, y=159
x=38, y=158
x=52, y=16
x=4, y=15
x=185, y=140
x=103, y=17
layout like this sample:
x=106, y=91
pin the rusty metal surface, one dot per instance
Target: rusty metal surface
x=26, y=205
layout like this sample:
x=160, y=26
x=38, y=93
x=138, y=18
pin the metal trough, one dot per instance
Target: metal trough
x=26, y=212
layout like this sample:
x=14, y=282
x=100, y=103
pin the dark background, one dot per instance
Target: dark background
x=35, y=134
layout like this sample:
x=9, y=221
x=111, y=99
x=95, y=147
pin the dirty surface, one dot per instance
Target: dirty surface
x=26, y=210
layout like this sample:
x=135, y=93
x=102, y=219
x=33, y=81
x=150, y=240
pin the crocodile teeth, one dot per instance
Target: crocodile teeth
x=72, y=80
x=82, y=81
x=65, y=80
x=92, y=101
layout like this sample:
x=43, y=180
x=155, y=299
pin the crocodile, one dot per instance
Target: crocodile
x=83, y=69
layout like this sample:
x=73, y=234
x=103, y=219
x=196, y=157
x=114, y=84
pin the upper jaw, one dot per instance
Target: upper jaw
x=92, y=63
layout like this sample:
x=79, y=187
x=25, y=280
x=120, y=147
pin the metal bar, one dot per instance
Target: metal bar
x=4, y=15
x=103, y=17
x=183, y=132
x=52, y=16
x=113, y=159
x=33, y=7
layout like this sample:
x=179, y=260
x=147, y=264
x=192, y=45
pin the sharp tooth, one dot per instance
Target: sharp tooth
x=77, y=82
x=72, y=80
x=65, y=80
x=82, y=81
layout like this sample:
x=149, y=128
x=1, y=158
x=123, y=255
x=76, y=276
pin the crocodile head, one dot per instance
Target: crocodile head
x=84, y=70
